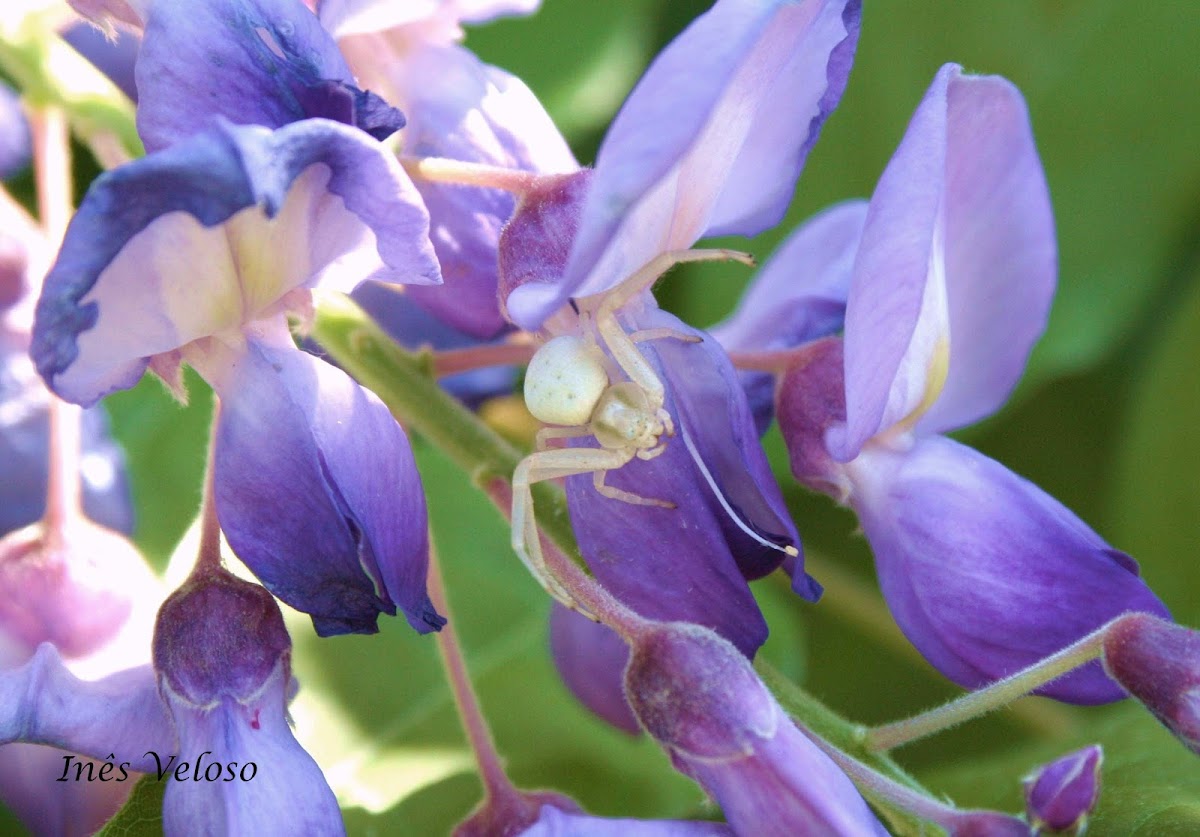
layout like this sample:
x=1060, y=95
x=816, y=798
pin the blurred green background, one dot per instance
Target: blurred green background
x=1106, y=420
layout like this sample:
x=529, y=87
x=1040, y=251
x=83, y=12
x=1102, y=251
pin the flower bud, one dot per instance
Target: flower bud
x=217, y=637
x=1060, y=795
x=700, y=698
x=1159, y=664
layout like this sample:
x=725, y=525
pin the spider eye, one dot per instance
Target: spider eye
x=564, y=381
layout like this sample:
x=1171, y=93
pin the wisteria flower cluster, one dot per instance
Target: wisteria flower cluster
x=377, y=251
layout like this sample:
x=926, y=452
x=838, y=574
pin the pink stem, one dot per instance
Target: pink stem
x=496, y=784
x=209, y=557
x=453, y=361
x=459, y=173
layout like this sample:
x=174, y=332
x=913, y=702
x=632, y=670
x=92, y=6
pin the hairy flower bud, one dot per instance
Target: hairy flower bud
x=1060, y=795
x=700, y=698
x=1159, y=664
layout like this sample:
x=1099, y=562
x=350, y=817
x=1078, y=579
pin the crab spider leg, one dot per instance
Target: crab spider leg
x=626, y=496
x=664, y=334
x=544, y=435
x=622, y=347
x=548, y=465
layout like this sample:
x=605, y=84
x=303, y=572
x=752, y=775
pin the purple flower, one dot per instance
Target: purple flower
x=700, y=699
x=1159, y=664
x=950, y=286
x=216, y=698
x=85, y=589
x=710, y=141
x=1060, y=795
x=250, y=62
x=461, y=109
x=197, y=253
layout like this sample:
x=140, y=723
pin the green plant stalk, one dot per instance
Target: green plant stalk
x=403, y=381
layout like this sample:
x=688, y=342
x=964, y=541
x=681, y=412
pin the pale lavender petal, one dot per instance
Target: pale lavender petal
x=251, y=62
x=120, y=715
x=800, y=293
x=29, y=788
x=711, y=140
x=985, y=573
x=287, y=793
x=146, y=266
x=318, y=493
x=462, y=109
x=957, y=267
x=591, y=660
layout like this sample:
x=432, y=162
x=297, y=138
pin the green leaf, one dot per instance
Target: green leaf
x=1157, y=492
x=165, y=446
x=141, y=815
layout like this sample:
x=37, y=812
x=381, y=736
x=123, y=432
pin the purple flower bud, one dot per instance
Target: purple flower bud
x=218, y=637
x=1060, y=795
x=700, y=698
x=1159, y=664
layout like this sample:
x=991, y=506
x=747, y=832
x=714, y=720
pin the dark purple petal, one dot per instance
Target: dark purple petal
x=700, y=698
x=142, y=249
x=318, y=493
x=591, y=660
x=957, y=267
x=251, y=62
x=1060, y=795
x=690, y=563
x=555, y=823
x=120, y=715
x=711, y=140
x=1159, y=664
x=985, y=573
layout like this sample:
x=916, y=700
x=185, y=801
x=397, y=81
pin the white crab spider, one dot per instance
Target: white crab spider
x=572, y=383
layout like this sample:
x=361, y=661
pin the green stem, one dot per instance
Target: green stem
x=403, y=380
x=978, y=703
